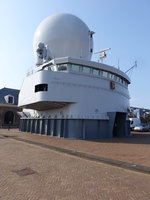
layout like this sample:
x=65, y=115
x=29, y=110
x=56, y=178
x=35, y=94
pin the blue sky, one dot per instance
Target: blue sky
x=123, y=25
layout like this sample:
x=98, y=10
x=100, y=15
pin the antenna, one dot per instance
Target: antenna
x=118, y=63
x=135, y=65
x=102, y=54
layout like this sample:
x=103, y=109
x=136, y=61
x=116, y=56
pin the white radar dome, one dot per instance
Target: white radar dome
x=65, y=35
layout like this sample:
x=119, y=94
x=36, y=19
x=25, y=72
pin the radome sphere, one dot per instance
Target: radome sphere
x=66, y=36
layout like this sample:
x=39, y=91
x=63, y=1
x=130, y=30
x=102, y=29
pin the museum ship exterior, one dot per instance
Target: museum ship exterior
x=69, y=95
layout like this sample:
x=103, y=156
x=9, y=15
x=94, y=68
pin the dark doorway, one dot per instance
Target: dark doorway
x=9, y=117
x=119, y=125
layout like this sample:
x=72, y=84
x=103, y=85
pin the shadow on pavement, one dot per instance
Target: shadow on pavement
x=134, y=138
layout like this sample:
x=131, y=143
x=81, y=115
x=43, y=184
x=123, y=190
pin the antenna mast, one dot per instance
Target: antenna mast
x=135, y=65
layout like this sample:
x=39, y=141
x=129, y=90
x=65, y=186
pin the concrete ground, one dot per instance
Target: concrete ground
x=35, y=172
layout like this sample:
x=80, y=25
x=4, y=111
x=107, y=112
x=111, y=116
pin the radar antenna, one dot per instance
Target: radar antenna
x=102, y=54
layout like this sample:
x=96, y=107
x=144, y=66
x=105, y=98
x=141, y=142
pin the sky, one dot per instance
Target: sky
x=122, y=25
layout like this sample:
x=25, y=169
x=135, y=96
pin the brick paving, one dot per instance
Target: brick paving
x=29, y=172
x=134, y=149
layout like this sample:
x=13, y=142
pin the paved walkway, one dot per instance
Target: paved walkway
x=134, y=150
x=28, y=171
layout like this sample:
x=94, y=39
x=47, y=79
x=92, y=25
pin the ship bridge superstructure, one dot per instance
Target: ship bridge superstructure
x=68, y=95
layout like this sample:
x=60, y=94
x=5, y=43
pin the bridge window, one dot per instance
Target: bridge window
x=95, y=72
x=62, y=67
x=112, y=76
x=86, y=70
x=126, y=83
x=119, y=79
x=104, y=74
x=75, y=67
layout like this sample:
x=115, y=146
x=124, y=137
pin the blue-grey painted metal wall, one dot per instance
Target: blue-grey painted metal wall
x=73, y=128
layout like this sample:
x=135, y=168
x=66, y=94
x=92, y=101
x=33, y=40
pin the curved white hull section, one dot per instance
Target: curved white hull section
x=83, y=96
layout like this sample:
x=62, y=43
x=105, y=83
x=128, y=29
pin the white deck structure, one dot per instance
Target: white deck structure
x=68, y=95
